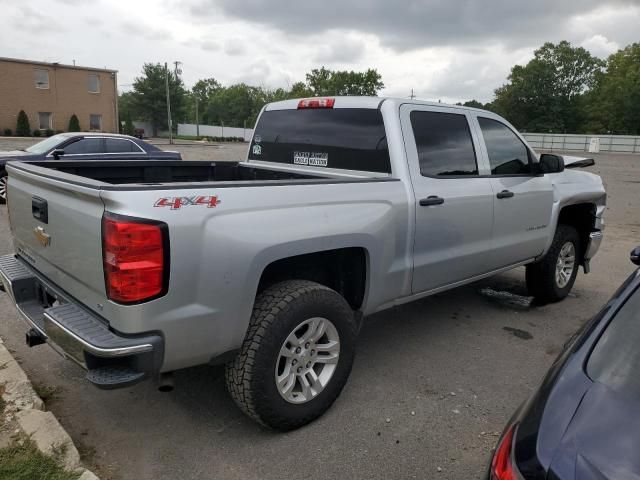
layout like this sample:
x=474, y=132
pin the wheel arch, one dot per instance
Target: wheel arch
x=345, y=270
x=581, y=216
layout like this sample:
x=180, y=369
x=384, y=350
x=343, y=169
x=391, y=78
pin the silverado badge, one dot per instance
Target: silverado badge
x=43, y=237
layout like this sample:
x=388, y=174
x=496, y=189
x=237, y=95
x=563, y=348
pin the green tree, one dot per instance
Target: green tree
x=202, y=92
x=300, y=90
x=149, y=97
x=128, y=128
x=22, y=125
x=234, y=105
x=74, y=124
x=614, y=104
x=546, y=94
x=473, y=104
x=329, y=82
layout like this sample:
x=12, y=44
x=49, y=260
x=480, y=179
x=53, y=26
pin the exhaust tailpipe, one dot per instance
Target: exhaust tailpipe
x=165, y=382
x=34, y=338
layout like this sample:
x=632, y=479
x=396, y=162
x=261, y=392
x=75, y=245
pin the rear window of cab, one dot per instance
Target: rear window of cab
x=342, y=138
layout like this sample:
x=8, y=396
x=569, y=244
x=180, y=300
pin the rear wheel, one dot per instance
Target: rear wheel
x=3, y=188
x=296, y=356
x=551, y=279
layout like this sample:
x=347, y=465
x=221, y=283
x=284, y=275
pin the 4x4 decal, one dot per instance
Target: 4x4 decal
x=176, y=203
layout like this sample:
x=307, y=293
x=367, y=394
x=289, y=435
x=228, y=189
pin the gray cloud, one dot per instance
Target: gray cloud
x=234, y=47
x=341, y=49
x=415, y=23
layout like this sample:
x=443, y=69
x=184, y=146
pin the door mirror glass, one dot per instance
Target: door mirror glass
x=550, y=163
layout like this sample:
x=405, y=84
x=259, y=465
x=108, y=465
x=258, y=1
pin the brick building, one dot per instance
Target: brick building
x=50, y=93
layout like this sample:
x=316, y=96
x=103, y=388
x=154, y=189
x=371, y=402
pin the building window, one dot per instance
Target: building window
x=95, y=122
x=44, y=121
x=94, y=83
x=41, y=78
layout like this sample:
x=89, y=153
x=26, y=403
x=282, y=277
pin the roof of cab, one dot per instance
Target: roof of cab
x=363, y=102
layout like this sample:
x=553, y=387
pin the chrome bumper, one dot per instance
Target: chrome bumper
x=595, y=239
x=111, y=359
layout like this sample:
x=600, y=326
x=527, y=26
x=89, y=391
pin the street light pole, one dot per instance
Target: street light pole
x=197, y=118
x=166, y=70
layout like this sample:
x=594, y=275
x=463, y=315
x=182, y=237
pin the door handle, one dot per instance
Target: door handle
x=505, y=194
x=431, y=200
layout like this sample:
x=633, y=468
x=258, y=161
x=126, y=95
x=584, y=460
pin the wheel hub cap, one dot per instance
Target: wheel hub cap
x=307, y=360
x=565, y=264
x=3, y=188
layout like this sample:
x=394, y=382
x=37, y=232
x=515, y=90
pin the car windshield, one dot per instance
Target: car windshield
x=46, y=145
x=615, y=360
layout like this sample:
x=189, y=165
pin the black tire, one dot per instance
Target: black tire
x=3, y=187
x=541, y=276
x=277, y=312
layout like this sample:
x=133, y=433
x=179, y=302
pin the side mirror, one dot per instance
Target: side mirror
x=57, y=153
x=635, y=256
x=550, y=163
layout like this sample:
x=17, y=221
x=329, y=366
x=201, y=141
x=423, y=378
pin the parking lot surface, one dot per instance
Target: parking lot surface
x=433, y=383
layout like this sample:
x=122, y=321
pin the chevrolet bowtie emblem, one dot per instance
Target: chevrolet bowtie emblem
x=43, y=237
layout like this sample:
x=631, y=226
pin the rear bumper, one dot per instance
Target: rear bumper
x=112, y=360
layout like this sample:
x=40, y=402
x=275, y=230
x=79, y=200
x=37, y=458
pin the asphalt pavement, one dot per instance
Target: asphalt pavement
x=432, y=386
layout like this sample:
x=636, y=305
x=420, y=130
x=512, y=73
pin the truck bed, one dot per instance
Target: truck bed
x=166, y=172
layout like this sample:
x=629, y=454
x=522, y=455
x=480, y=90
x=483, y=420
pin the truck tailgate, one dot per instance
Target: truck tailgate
x=64, y=243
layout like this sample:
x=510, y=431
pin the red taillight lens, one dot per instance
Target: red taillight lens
x=502, y=467
x=316, y=103
x=134, y=253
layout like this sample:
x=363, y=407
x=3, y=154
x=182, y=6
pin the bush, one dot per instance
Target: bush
x=74, y=124
x=22, y=126
x=7, y=132
x=48, y=132
x=128, y=129
x=37, y=133
x=59, y=131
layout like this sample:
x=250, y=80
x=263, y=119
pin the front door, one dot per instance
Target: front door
x=454, y=204
x=523, y=201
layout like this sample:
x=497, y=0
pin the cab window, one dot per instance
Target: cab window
x=444, y=143
x=507, y=154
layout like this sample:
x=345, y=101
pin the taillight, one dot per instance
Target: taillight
x=316, y=103
x=135, y=254
x=502, y=467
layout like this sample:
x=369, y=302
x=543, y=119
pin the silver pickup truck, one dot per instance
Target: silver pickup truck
x=344, y=207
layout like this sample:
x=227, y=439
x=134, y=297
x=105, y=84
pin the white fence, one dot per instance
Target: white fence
x=582, y=143
x=214, y=131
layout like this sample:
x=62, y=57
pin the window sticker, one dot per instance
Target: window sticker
x=314, y=159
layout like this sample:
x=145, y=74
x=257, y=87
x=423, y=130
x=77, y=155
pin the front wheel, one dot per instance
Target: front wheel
x=551, y=278
x=296, y=356
x=3, y=188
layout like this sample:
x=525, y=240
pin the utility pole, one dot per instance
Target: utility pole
x=166, y=70
x=412, y=96
x=197, y=117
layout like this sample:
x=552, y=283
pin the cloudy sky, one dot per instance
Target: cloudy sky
x=442, y=49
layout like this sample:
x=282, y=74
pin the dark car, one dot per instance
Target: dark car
x=84, y=146
x=584, y=420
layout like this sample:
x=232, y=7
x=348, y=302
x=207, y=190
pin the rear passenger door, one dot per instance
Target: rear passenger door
x=523, y=201
x=454, y=203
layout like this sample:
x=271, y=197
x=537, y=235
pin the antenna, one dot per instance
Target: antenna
x=412, y=96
